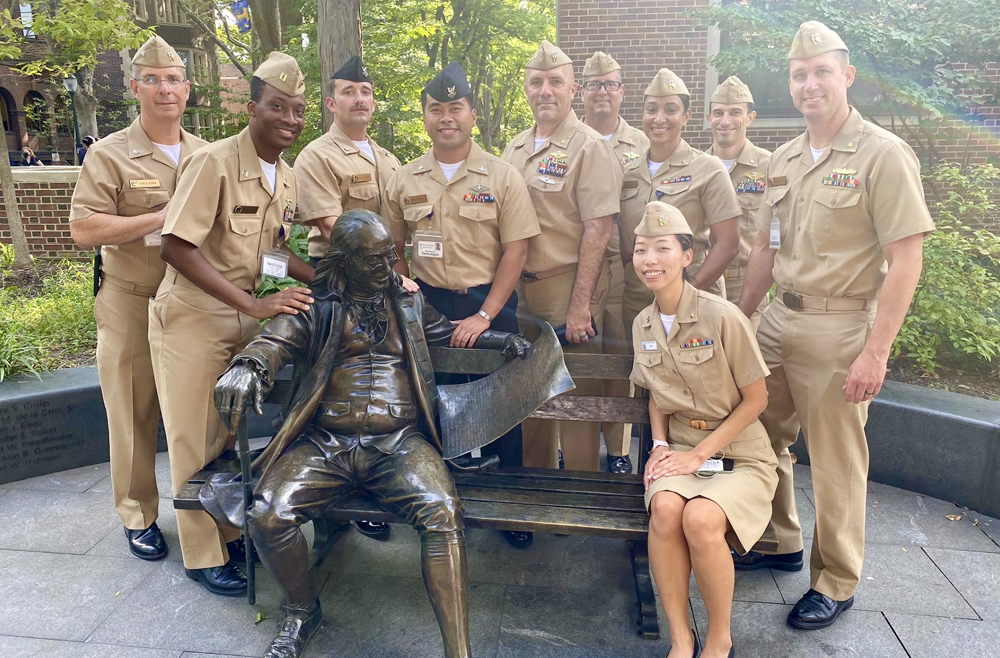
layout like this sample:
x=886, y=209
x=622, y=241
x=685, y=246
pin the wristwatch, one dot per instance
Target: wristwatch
x=487, y=316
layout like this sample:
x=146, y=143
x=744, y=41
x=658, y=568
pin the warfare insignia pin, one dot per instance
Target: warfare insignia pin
x=479, y=189
x=845, y=171
x=547, y=180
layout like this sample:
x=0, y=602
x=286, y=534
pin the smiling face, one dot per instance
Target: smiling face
x=659, y=261
x=603, y=104
x=369, y=268
x=663, y=118
x=449, y=125
x=277, y=119
x=162, y=92
x=729, y=123
x=550, y=93
x=352, y=105
x=819, y=84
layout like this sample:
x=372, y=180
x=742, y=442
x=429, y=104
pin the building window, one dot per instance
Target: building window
x=26, y=20
x=169, y=11
x=141, y=13
x=35, y=112
x=6, y=110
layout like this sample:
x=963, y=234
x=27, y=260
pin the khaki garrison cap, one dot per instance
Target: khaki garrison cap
x=157, y=53
x=732, y=90
x=663, y=219
x=600, y=63
x=547, y=57
x=814, y=38
x=666, y=83
x=282, y=72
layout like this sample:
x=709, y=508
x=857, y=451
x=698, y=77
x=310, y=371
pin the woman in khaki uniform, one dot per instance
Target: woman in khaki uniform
x=696, y=354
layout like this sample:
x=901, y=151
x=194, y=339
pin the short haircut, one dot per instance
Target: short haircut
x=844, y=57
x=256, y=89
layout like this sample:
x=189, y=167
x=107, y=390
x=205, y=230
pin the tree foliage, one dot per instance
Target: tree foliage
x=925, y=60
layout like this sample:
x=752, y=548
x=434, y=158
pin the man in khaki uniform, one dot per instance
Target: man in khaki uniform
x=343, y=169
x=469, y=217
x=603, y=92
x=730, y=114
x=225, y=226
x=574, y=179
x=843, y=220
x=692, y=181
x=120, y=204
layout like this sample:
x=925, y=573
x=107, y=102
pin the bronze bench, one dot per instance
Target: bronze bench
x=525, y=499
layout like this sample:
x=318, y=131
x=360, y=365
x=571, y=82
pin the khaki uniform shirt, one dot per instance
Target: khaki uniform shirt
x=692, y=181
x=224, y=206
x=470, y=217
x=335, y=176
x=572, y=178
x=125, y=175
x=628, y=143
x=699, y=368
x=834, y=215
x=748, y=178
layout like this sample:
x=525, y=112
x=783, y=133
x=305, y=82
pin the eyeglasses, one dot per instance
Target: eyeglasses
x=595, y=85
x=156, y=81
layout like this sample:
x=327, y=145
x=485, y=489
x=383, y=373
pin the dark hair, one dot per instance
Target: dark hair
x=256, y=89
x=749, y=108
x=88, y=140
x=686, y=243
x=423, y=100
x=345, y=241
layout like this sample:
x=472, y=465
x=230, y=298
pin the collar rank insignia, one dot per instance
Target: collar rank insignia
x=697, y=342
x=482, y=169
x=629, y=158
x=554, y=164
x=842, y=178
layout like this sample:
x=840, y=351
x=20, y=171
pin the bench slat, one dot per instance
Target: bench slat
x=595, y=409
x=630, y=504
x=500, y=480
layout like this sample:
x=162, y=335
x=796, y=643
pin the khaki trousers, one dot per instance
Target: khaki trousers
x=617, y=436
x=126, y=372
x=548, y=299
x=193, y=337
x=809, y=354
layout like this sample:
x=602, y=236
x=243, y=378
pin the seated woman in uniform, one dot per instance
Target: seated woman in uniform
x=697, y=356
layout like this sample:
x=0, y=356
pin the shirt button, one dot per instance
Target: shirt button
x=686, y=392
x=801, y=199
x=448, y=214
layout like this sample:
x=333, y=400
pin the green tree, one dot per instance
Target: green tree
x=10, y=32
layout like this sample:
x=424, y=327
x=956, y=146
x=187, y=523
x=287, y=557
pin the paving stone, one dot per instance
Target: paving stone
x=188, y=654
x=893, y=579
x=62, y=597
x=26, y=647
x=567, y=623
x=76, y=480
x=170, y=611
x=388, y=617
x=759, y=631
x=54, y=522
x=988, y=525
x=357, y=554
x=115, y=545
x=934, y=637
x=975, y=575
x=752, y=586
x=911, y=519
x=879, y=488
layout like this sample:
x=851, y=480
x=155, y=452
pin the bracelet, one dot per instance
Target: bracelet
x=487, y=316
x=657, y=443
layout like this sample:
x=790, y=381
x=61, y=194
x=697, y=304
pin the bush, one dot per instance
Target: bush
x=954, y=315
x=47, y=329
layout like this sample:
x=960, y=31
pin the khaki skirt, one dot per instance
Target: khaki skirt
x=744, y=495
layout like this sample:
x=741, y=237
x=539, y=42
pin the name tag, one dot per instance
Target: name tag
x=775, y=234
x=361, y=178
x=777, y=181
x=648, y=345
x=274, y=263
x=246, y=210
x=144, y=183
x=417, y=198
x=629, y=184
x=152, y=239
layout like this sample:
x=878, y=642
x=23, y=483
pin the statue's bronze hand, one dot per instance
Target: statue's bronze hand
x=237, y=387
x=515, y=345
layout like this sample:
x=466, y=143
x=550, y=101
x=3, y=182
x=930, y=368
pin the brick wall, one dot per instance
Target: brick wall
x=43, y=197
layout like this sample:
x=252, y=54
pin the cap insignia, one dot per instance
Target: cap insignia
x=364, y=71
x=662, y=219
x=170, y=56
x=451, y=92
x=814, y=37
x=672, y=85
x=555, y=57
x=740, y=94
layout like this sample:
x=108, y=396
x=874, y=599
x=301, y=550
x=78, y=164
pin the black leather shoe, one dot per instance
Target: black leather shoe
x=295, y=633
x=147, y=544
x=619, y=465
x=238, y=552
x=226, y=580
x=562, y=462
x=815, y=610
x=374, y=529
x=782, y=562
x=520, y=540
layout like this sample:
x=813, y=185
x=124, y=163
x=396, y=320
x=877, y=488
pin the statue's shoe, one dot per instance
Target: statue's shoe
x=296, y=631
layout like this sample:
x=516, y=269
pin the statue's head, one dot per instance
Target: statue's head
x=361, y=256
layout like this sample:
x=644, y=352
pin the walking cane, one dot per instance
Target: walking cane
x=243, y=447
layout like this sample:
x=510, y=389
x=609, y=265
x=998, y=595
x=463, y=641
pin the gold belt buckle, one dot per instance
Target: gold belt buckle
x=698, y=424
x=792, y=300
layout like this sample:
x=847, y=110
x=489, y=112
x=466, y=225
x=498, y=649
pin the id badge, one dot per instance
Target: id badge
x=775, y=234
x=429, y=245
x=711, y=466
x=274, y=263
x=648, y=345
x=152, y=239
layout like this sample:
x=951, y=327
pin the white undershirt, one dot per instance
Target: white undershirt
x=539, y=142
x=817, y=153
x=607, y=138
x=654, y=167
x=270, y=170
x=366, y=147
x=172, y=151
x=449, y=169
x=729, y=164
x=668, y=322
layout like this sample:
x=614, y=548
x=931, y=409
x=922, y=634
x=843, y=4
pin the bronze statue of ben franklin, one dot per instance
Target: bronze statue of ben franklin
x=360, y=414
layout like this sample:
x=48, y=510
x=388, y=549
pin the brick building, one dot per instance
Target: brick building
x=35, y=112
x=645, y=35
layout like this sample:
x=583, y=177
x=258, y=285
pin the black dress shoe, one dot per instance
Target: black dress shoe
x=226, y=580
x=147, y=544
x=374, y=529
x=619, y=465
x=238, y=552
x=782, y=562
x=295, y=632
x=562, y=462
x=815, y=610
x=517, y=539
